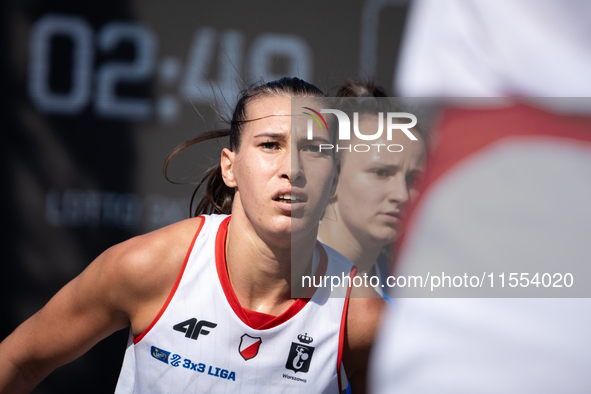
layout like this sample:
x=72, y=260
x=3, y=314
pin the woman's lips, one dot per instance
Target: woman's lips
x=289, y=200
x=391, y=217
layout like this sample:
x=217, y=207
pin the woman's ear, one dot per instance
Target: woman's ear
x=227, y=167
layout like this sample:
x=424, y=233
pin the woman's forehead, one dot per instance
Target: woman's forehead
x=279, y=105
x=376, y=151
x=275, y=112
x=268, y=105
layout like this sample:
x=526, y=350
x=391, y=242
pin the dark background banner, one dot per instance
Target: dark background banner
x=95, y=95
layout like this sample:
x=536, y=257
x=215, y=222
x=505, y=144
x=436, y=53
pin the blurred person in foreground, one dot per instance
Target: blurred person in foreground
x=506, y=184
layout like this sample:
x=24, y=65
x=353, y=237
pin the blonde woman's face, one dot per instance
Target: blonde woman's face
x=376, y=187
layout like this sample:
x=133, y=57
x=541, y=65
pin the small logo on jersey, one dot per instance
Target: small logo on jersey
x=305, y=339
x=160, y=354
x=300, y=356
x=193, y=327
x=249, y=346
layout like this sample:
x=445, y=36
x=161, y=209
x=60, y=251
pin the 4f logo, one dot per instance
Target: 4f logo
x=300, y=356
x=193, y=327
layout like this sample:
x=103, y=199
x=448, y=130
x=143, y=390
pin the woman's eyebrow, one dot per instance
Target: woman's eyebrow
x=271, y=135
x=389, y=167
x=397, y=167
x=316, y=139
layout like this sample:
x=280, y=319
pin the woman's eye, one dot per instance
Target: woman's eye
x=312, y=148
x=413, y=180
x=380, y=173
x=270, y=145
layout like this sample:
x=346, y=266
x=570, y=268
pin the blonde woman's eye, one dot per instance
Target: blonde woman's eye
x=413, y=179
x=380, y=173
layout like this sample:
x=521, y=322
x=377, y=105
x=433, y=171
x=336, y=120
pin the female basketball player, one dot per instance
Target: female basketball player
x=375, y=187
x=208, y=300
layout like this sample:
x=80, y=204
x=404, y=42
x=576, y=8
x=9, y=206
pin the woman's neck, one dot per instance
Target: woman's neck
x=260, y=272
x=338, y=236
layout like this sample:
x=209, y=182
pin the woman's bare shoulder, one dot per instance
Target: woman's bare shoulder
x=155, y=250
x=126, y=284
x=143, y=269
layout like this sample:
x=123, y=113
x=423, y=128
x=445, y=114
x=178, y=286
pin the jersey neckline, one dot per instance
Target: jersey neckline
x=253, y=319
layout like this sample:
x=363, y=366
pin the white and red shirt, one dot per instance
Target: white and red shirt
x=204, y=341
x=505, y=187
x=460, y=48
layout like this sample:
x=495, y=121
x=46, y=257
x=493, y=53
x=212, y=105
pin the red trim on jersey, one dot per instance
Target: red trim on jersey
x=342, y=331
x=461, y=133
x=255, y=320
x=137, y=339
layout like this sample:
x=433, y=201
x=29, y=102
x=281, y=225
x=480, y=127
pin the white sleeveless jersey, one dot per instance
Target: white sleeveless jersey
x=203, y=341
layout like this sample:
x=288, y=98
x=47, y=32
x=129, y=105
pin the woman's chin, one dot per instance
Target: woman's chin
x=385, y=236
x=290, y=230
x=303, y=229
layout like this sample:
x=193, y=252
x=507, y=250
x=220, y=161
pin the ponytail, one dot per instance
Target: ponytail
x=218, y=197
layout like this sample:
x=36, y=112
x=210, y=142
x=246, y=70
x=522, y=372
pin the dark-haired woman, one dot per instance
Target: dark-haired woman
x=209, y=299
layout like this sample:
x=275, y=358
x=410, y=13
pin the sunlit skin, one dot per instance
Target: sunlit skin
x=267, y=232
x=373, y=194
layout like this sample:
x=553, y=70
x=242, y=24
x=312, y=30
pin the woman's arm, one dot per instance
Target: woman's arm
x=126, y=285
x=74, y=320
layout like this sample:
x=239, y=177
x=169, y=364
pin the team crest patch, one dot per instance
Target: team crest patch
x=300, y=355
x=160, y=354
x=249, y=346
